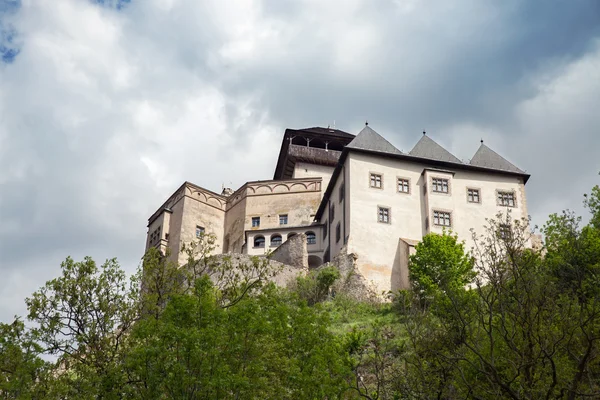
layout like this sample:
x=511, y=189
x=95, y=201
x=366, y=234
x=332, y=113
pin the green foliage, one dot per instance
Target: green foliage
x=265, y=347
x=592, y=203
x=22, y=372
x=315, y=286
x=438, y=266
x=528, y=326
x=83, y=317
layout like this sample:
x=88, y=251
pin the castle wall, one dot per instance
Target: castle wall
x=411, y=215
x=307, y=170
x=376, y=243
x=205, y=209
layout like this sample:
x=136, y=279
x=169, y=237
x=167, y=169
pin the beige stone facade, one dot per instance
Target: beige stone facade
x=346, y=193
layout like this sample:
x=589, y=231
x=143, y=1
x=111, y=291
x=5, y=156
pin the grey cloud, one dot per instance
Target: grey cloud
x=105, y=111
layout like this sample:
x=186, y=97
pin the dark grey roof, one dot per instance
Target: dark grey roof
x=368, y=139
x=488, y=158
x=428, y=148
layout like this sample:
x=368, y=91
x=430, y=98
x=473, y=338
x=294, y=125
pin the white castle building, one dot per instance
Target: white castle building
x=355, y=194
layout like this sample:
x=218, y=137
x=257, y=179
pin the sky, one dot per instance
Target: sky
x=107, y=106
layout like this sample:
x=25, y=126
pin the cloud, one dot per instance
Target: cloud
x=107, y=106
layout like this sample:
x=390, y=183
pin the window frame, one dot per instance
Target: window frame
x=389, y=214
x=433, y=218
x=505, y=231
x=200, y=229
x=403, y=179
x=257, y=219
x=373, y=180
x=478, y=190
x=434, y=186
x=257, y=237
x=309, y=240
x=285, y=216
x=275, y=236
x=500, y=198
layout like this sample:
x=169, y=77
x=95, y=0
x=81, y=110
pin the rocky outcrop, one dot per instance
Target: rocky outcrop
x=351, y=283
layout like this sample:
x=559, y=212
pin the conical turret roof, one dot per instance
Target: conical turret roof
x=428, y=148
x=368, y=139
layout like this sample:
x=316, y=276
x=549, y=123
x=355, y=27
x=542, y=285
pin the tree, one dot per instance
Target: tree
x=267, y=346
x=22, y=371
x=84, y=317
x=314, y=287
x=439, y=265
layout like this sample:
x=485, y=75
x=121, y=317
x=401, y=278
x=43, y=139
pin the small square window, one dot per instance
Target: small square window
x=383, y=215
x=442, y=218
x=504, y=231
x=439, y=185
x=199, y=231
x=255, y=222
x=403, y=185
x=376, y=181
x=506, y=199
x=283, y=219
x=473, y=196
x=338, y=232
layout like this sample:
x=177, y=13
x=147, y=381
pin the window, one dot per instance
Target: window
x=199, y=231
x=338, y=232
x=473, y=195
x=155, y=236
x=506, y=199
x=383, y=215
x=255, y=222
x=325, y=230
x=275, y=240
x=291, y=235
x=259, y=241
x=341, y=194
x=311, y=238
x=442, y=218
x=439, y=185
x=504, y=231
x=283, y=219
x=403, y=185
x=376, y=181
x=332, y=212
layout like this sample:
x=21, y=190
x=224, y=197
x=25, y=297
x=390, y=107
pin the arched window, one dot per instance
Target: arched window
x=291, y=235
x=275, y=240
x=311, y=238
x=259, y=241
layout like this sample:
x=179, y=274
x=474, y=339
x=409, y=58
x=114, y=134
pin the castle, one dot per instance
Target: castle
x=355, y=194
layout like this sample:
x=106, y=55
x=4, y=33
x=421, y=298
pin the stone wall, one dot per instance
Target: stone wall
x=292, y=252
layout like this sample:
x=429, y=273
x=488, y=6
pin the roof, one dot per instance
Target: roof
x=325, y=131
x=368, y=139
x=428, y=148
x=370, y=142
x=488, y=158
